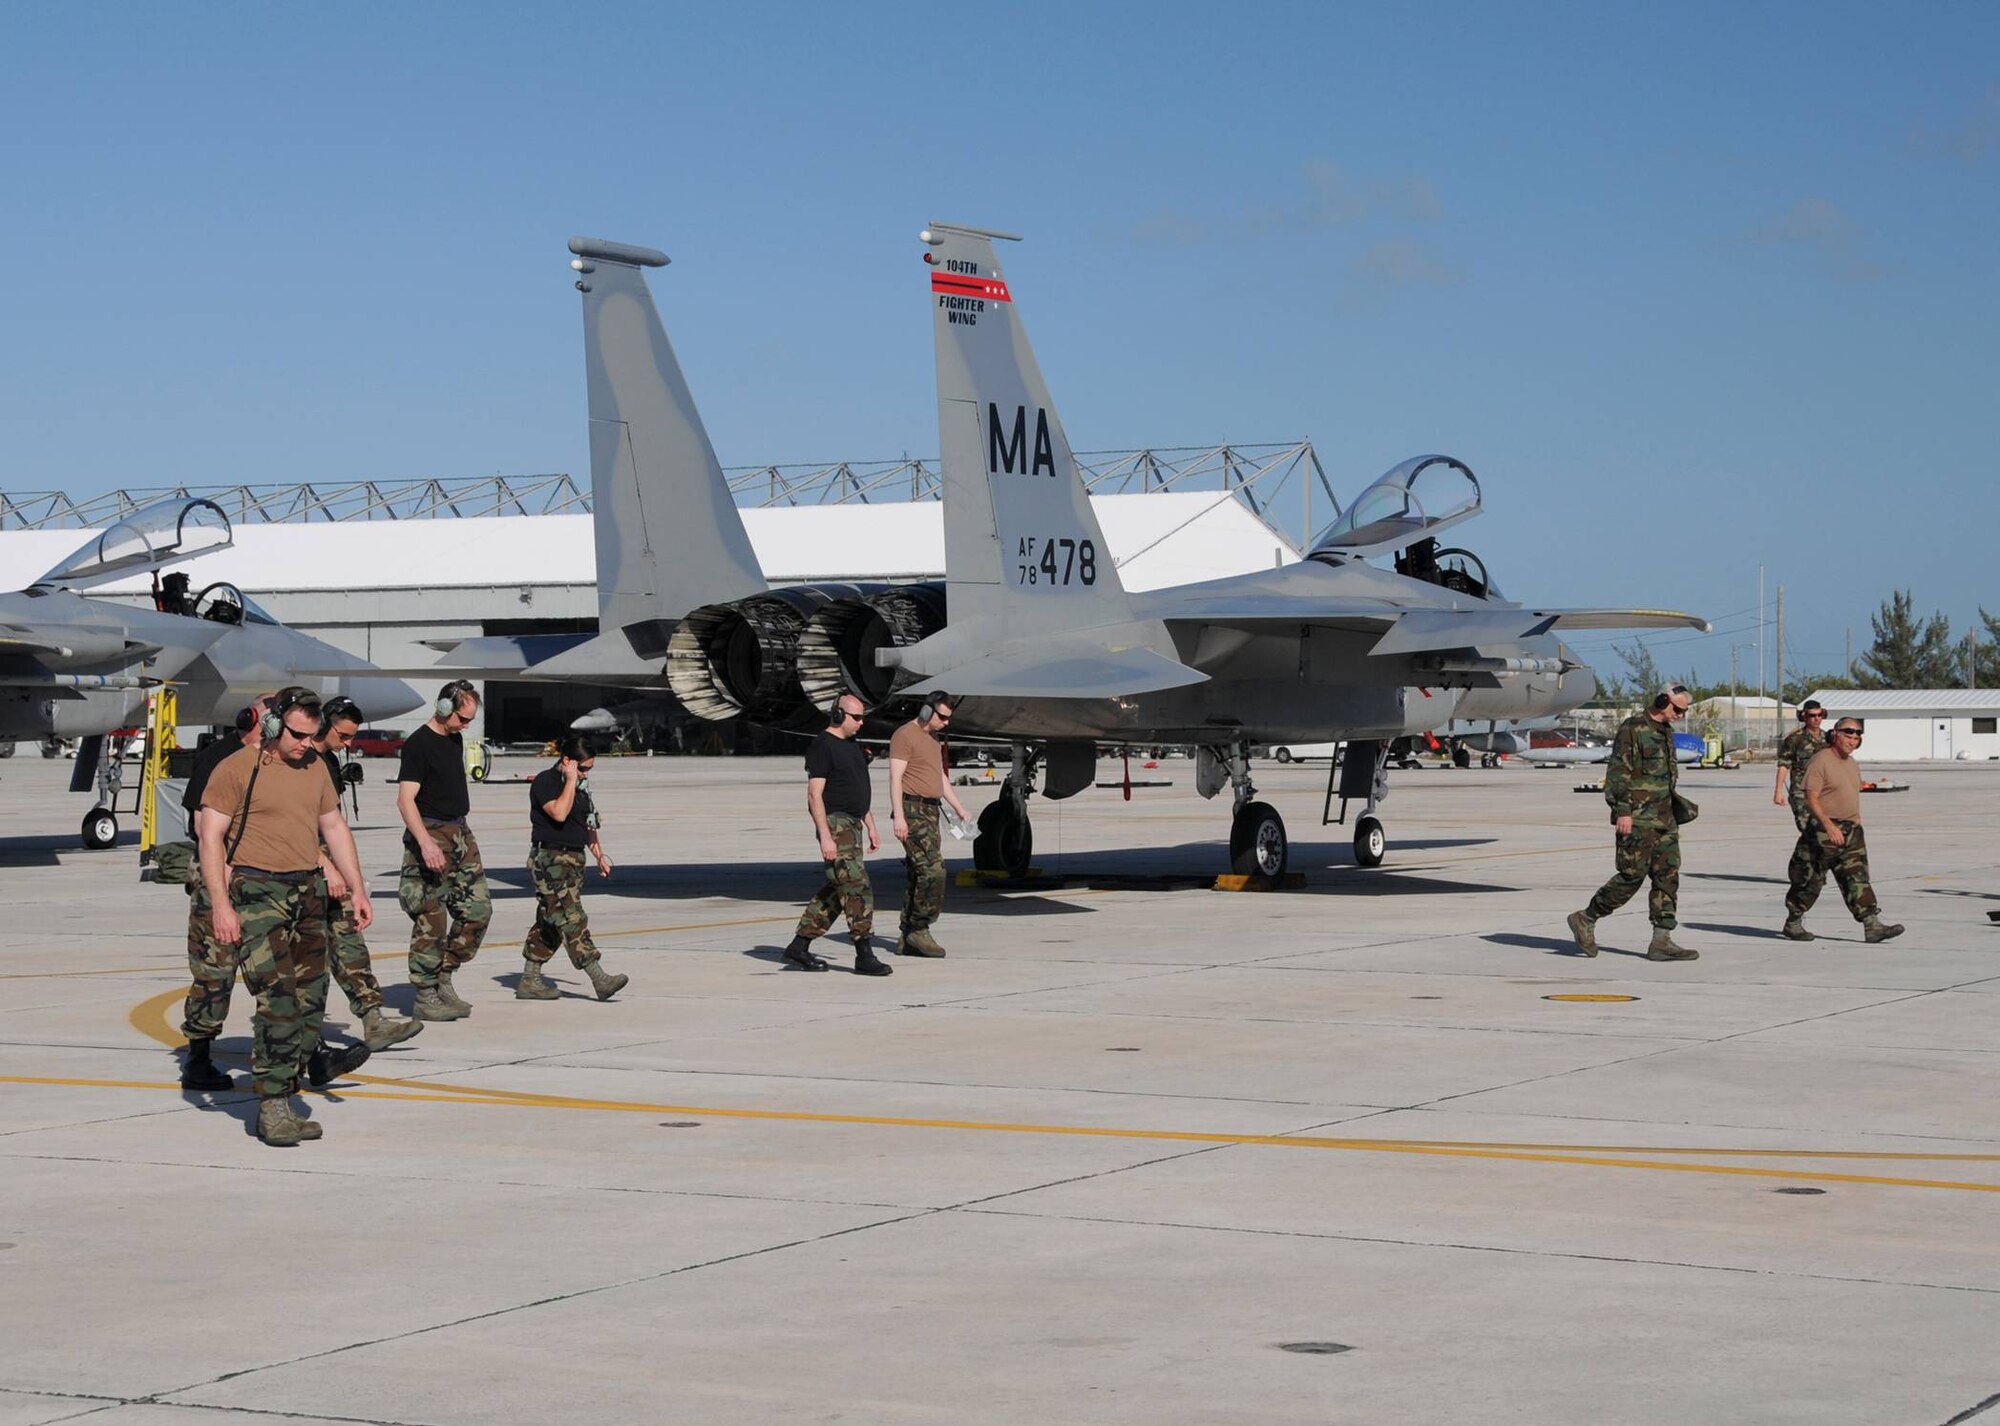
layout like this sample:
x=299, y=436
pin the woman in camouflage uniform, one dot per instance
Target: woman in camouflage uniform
x=563, y=829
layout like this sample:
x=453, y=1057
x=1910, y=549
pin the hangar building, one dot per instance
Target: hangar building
x=1916, y=724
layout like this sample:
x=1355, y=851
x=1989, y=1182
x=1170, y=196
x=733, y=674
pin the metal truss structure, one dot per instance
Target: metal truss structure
x=1256, y=474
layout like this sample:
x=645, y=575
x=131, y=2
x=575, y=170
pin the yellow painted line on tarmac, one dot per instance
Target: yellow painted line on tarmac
x=170, y=963
x=694, y=926
x=1546, y=1154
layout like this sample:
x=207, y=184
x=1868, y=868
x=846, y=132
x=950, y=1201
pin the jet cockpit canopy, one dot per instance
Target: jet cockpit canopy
x=150, y=538
x=1412, y=502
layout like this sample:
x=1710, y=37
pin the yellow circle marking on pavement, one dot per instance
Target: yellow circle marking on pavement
x=1592, y=999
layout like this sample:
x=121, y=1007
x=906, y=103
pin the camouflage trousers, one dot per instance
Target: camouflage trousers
x=846, y=889
x=450, y=909
x=1647, y=851
x=923, y=864
x=1801, y=814
x=212, y=969
x=1815, y=856
x=559, y=917
x=348, y=953
x=284, y=966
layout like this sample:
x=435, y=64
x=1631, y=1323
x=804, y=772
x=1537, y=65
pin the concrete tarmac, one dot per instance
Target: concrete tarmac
x=1133, y=1153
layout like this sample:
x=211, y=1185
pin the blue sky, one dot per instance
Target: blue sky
x=1692, y=288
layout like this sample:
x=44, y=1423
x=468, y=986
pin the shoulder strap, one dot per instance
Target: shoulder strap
x=243, y=813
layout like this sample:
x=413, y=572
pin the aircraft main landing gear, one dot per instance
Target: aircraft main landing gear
x=1006, y=837
x=1370, y=841
x=1258, y=845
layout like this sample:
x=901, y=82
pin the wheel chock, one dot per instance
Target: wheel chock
x=994, y=878
x=1290, y=881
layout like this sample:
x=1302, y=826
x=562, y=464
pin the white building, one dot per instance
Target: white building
x=1914, y=724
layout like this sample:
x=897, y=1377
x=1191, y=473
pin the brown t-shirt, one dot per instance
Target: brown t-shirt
x=285, y=808
x=1837, y=780
x=924, y=777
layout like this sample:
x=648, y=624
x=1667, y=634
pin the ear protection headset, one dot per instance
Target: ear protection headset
x=338, y=710
x=274, y=716
x=1811, y=705
x=930, y=708
x=834, y=715
x=450, y=696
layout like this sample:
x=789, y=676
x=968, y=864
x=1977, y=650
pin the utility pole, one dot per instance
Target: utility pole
x=1760, y=631
x=1778, y=670
x=1850, y=653
x=1971, y=655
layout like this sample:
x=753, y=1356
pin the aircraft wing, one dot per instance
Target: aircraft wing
x=1058, y=668
x=1411, y=631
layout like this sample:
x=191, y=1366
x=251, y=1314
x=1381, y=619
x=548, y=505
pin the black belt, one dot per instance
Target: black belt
x=558, y=847
x=931, y=801
x=290, y=878
x=444, y=822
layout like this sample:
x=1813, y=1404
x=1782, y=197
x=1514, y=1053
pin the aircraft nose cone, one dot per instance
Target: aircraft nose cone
x=1579, y=686
x=379, y=697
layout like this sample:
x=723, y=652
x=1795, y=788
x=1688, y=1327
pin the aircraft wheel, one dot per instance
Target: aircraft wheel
x=1006, y=839
x=1461, y=756
x=52, y=747
x=6, y=750
x=1370, y=841
x=1283, y=755
x=100, y=829
x=1257, y=842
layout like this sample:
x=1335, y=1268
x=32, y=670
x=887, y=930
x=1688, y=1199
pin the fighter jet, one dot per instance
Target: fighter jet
x=72, y=666
x=1047, y=650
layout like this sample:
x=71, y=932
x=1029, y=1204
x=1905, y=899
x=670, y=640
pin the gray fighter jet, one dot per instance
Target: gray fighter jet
x=1047, y=650
x=1048, y=653
x=72, y=666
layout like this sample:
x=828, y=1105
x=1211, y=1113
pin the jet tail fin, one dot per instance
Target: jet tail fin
x=1020, y=537
x=669, y=537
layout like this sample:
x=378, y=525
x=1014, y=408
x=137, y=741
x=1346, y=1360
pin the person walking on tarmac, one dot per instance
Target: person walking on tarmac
x=264, y=815
x=837, y=800
x=443, y=885
x=1645, y=811
x=1832, y=841
x=1799, y=747
x=916, y=786
x=212, y=966
x=562, y=827
x=348, y=949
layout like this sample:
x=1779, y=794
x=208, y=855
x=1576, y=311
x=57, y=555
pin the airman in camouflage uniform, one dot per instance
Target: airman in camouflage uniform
x=1832, y=840
x=919, y=792
x=264, y=816
x=1796, y=750
x=212, y=968
x=837, y=797
x=1639, y=786
x=563, y=823
x=443, y=884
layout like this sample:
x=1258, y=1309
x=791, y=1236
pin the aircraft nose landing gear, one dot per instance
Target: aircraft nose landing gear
x=1006, y=838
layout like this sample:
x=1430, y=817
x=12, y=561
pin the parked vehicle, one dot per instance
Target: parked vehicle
x=377, y=743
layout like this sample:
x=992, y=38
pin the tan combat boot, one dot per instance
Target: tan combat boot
x=307, y=1129
x=433, y=1006
x=921, y=943
x=275, y=1124
x=1795, y=930
x=534, y=985
x=1583, y=929
x=1664, y=949
x=604, y=982
x=1874, y=932
x=379, y=1031
x=449, y=994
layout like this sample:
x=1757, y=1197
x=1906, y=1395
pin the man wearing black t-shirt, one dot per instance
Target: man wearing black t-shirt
x=837, y=799
x=443, y=887
x=562, y=825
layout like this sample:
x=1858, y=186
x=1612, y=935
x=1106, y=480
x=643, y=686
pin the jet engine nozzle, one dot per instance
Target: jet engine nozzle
x=837, y=651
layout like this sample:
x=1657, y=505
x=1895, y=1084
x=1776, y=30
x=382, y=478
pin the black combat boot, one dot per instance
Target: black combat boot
x=324, y=1065
x=200, y=1072
x=799, y=954
x=865, y=962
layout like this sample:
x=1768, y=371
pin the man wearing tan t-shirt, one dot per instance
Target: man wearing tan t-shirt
x=916, y=787
x=263, y=817
x=1832, y=840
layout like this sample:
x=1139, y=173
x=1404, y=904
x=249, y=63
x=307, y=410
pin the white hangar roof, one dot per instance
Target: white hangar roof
x=1160, y=538
x=1911, y=702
